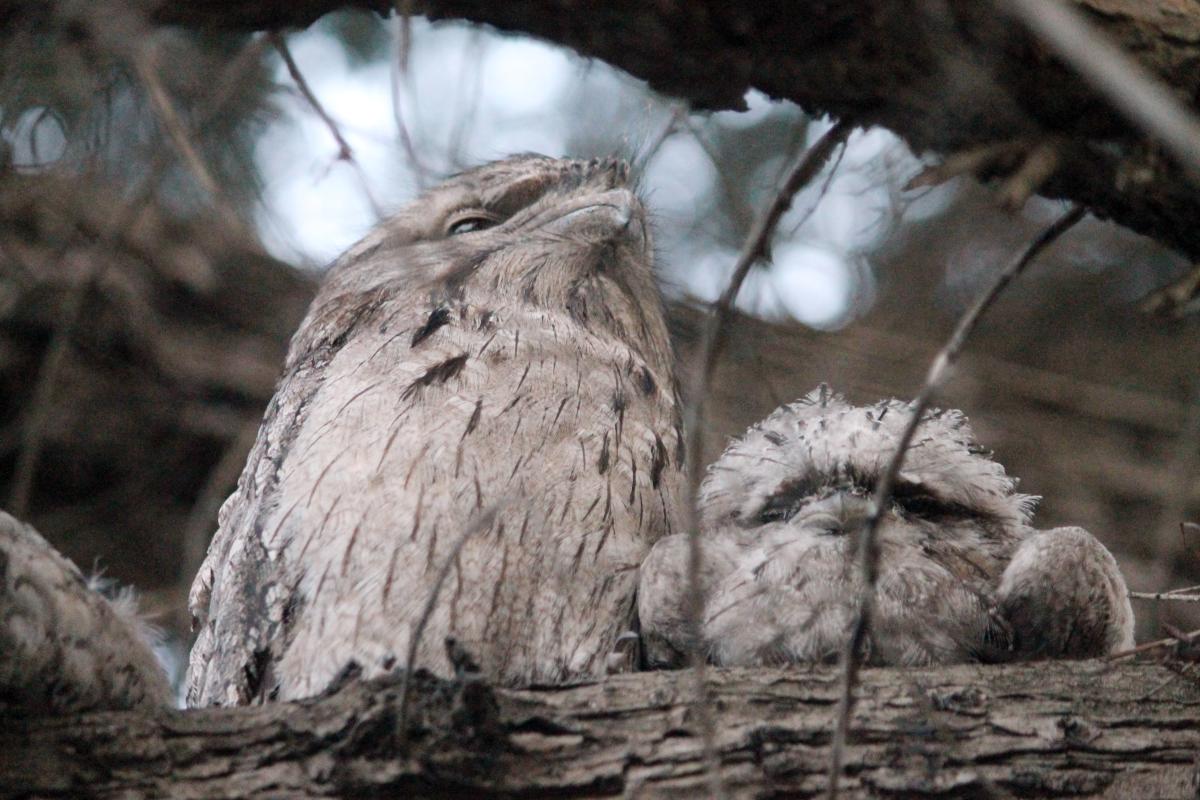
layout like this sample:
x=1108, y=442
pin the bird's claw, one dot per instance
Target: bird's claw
x=624, y=655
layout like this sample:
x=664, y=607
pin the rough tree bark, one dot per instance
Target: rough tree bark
x=943, y=74
x=1083, y=729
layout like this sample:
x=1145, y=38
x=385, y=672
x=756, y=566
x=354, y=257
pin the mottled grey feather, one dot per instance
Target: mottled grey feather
x=523, y=369
x=963, y=577
x=63, y=645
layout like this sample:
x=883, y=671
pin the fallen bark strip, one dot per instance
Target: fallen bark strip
x=1065, y=729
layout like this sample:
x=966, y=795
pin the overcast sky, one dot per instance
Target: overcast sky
x=470, y=96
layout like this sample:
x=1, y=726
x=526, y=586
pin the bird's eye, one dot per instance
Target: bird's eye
x=777, y=510
x=919, y=503
x=470, y=221
x=922, y=505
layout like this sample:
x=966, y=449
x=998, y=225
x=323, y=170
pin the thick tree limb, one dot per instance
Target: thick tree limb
x=1045, y=730
x=943, y=75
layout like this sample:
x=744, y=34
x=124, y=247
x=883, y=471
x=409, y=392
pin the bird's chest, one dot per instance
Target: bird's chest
x=423, y=424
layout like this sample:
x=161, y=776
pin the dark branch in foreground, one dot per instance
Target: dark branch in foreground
x=1038, y=730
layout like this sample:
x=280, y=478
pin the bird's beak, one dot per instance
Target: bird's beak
x=605, y=216
x=841, y=514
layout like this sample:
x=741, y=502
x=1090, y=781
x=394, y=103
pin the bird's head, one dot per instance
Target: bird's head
x=563, y=235
x=814, y=464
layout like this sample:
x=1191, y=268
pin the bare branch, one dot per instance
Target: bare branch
x=146, y=64
x=39, y=402
x=868, y=546
x=1129, y=86
x=344, y=152
x=824, y=190
x=402, y=35
x=1165, y=596
x=675, y=115
x=1174, y=299
x=1175, y=639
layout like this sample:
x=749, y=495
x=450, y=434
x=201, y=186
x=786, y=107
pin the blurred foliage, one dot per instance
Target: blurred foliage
x=75, y=87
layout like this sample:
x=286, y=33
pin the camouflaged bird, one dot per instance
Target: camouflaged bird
x=485, y=384
x=64, y=646
x=962, y=575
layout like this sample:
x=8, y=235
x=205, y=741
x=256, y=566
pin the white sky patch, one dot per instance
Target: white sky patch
x=705, y=277
x=813, y=283
x=808, y=284
x=37, y=139
x=678, y=177
x=472, y=96
x=523, y=76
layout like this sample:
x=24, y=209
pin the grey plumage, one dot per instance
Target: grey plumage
x=963, y=576
x=521, y=368
x=63, y=645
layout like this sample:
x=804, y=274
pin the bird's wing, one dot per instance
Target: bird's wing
x=1063, y=596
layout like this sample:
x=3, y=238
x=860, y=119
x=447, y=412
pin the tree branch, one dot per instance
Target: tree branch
x=945, y=76
x=1045, y=730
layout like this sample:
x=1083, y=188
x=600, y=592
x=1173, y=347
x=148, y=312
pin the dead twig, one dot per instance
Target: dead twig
x=147, y=67
x=1158, y=644
x=833, y=171
x=39, y=402
x=1174, y=299
x=756, y=247
x=868, y=546
x=345, y=153
x=676, y=114
x=740, y=210
x=402, y=35
x=1166, y=596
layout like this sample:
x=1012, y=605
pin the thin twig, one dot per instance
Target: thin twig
x=1166, y=596
x=397, y=73
x=39, y=402
x=670, y=126
x=740, y=211
x=1129, y=86
x=833, y=171
x=146, y=64
x=1158, y=644
x=473, y=55
x=756, y=247
x=481, y=522
x=280, y=44
x=345, y=153
x=868, y=546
